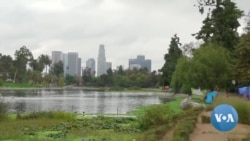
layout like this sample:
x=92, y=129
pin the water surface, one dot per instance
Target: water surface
x=77, y=101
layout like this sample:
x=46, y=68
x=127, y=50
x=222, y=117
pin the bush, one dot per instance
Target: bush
x=156, y=115
x=3, y=110
x=186, y=124
x=45, y=114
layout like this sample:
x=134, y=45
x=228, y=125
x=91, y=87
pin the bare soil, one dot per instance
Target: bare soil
x=206, y=132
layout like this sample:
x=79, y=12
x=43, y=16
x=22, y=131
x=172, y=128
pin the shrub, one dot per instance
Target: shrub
x=3, y=110
x=47, y=114
x=156, y=115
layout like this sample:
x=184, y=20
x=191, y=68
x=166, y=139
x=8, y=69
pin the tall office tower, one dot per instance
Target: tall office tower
x=65, y=64
x=140, y=62
x=101, y=61
x=90, y=63
x=72, y=68
x=56, y=57
x=109, y=65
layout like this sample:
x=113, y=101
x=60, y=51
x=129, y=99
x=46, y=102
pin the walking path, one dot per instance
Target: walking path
x=206, y=132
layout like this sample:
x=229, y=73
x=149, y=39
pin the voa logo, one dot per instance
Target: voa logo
x=224, y=118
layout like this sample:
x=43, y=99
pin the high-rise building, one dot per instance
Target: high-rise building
x=109, y=65
x=72, y=68
x=140, y=62
x=101, y=61
x=56, y=57
x=65, y=64
x=90, y=63
x=71, y=62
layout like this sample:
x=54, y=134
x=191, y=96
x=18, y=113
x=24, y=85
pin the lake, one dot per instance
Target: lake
x=90, y=102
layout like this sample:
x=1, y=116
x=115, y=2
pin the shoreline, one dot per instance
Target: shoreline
x=108, y=89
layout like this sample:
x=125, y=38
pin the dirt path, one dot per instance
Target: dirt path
x=206, y=132
x=168, y=135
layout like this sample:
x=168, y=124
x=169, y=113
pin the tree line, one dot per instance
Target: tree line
x=24, y=68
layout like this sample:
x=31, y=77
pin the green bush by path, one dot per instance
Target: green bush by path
x=185, y=124
x=156, y=115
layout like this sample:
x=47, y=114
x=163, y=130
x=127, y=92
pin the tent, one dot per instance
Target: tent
x=210, y=97
x=244, y=91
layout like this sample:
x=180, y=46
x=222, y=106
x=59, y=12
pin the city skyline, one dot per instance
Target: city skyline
x=92, y=64
x=126, y=27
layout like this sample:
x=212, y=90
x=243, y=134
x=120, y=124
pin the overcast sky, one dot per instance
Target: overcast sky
x=127, y=28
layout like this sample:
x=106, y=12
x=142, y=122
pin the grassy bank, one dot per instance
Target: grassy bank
x=173, y=104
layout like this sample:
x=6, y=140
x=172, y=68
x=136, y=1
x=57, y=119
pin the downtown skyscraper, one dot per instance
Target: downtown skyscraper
x=101, y=61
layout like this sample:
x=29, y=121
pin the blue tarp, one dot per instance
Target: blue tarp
x=210, y=97
x=244, y=91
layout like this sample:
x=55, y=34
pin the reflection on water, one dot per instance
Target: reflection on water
x=77, y=101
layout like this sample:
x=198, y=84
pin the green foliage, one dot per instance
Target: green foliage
x=185, y=124
x=57, y=68
x=60, y=81
x=209, y=67
x=156, y=115
x=22, y=57
x=6, y=66
x=242, y=65
x=34, y=76
x=186, y=89
x=3, y=110
x=174, y=53
x=220, y=26
x=69, y=79
x=49, y=114
x=136, y=78
x=44, y=59
x=36, y=65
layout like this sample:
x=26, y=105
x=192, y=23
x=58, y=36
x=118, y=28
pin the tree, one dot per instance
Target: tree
x=174, y=53
x=6, y=66
x=44, y=59
x=36, y=65
x=242, y=66
x=220, y=25
x=69, y=79
x=22, y=57
x=34, y=76
x=208, y=68
x=86, y=75
x=57, y=68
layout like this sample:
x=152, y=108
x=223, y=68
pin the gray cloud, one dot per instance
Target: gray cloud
x=126, y=27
